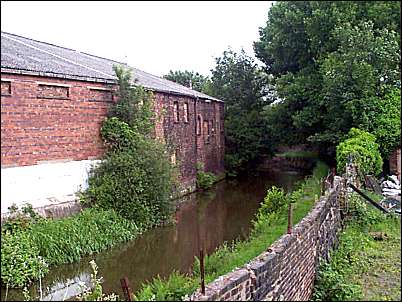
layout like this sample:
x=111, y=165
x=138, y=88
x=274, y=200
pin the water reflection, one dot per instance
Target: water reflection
x=205, y=219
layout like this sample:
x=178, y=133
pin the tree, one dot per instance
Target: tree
x=327, y=57
x=237, y=80
x=189, y=79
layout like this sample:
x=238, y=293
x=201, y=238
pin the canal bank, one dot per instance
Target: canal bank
x=221, y=214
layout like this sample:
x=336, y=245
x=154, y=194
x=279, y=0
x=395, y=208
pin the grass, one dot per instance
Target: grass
x=382, y=280
x=58, y=241
x=305, y=154
x=266, y=230
x=367, y=264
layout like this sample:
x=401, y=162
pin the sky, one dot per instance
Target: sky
x=154, y=36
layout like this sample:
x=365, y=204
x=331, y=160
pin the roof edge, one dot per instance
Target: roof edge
x=96, y=80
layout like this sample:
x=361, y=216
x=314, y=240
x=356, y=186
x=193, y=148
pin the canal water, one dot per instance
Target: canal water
x=206, y=219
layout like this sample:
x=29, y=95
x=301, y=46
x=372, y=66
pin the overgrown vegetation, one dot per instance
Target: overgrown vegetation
x=335, y=65
x=136, y=177
x=205, y=180
x=29, y=248
x=240, y=82
x=360, y=146
x=361, y=259
x=269, y=224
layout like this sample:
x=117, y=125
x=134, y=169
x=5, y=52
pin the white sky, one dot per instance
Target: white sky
x=154, y=36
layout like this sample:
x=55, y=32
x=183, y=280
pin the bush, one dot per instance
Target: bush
x=135, y=182
x=363, y=150
x=136, y=176
x=20, y=260
x=205, y=180
x=117, y=134
x=273, y=201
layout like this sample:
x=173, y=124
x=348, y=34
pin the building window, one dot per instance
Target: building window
x=212, y=127
x=5, y=88
x=186, y=117
x=174, y=157
x=199, y=122
x=176, y=111
x=206, y=132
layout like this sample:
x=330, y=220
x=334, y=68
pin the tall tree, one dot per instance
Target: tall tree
x=327, y=59
x=237, y=80
x=189, y=79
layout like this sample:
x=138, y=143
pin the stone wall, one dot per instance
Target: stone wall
x=286, y=271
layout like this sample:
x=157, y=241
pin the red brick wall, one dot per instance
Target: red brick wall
x=46, y=119
x=42, y=122
x=181, y=136
x=287, y=269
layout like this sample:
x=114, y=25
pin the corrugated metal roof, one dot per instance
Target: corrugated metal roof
x=24, y=55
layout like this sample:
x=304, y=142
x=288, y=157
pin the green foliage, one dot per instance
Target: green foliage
x=134, y=105
x=273, y=201
x=20, y=220
x=361, y=146
x=381, y=117
x=237, y=80
x=21, y=263
x=134, y=182
x=174, y=288
x=198, y=82
x=136, y=177
x=66, y=240
x=205, y=180
x=330, y=62
x=26, y=253
x=116, y=134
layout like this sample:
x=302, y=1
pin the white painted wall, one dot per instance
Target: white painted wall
x=43, y=184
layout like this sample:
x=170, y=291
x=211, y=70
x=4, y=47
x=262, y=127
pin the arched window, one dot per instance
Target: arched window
x=176, y=111
x=186, y=115
x=206, y=132
x=199, y=123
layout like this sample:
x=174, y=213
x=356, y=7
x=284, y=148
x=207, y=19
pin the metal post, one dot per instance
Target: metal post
x=290, y=217
x=126, y=289
x=202, y=271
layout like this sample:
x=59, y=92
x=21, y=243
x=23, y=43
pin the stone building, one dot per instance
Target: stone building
x=53, y=101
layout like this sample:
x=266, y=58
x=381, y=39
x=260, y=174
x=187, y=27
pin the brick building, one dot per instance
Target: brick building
x=53, y=101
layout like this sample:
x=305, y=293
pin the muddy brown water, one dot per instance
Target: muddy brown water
x=208, y=219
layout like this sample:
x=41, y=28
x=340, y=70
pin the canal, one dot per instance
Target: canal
x=206, y=219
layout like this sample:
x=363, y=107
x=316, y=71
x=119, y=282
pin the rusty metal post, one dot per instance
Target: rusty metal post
x=126, y=289
x=202, y=271
x=290, y=217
